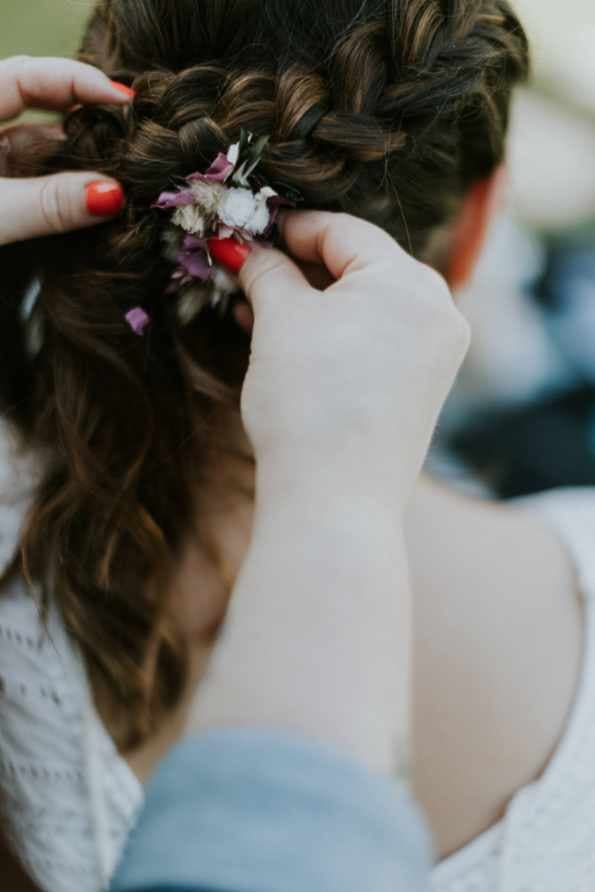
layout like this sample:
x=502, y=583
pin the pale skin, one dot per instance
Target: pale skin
x=497, y=632
x=497, y=651
x=497, y=617
x=49, y=205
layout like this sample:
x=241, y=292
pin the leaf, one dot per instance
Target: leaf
x=244, y=142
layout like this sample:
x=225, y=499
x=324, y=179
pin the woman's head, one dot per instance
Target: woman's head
x=394, y=111
x=391, y=110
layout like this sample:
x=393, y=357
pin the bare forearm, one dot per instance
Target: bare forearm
x=318, y=635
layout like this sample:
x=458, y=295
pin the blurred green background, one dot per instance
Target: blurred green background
x=42, y=27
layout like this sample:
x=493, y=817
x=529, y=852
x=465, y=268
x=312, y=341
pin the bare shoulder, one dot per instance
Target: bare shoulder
x=498, y=655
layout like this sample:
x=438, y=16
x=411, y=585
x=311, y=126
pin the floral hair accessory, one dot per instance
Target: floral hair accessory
x=138, y=320
x=228, y=201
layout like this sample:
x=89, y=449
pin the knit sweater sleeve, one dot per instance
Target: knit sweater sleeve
x=252, y=811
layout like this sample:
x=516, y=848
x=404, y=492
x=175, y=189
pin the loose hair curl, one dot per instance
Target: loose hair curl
x=413, y=99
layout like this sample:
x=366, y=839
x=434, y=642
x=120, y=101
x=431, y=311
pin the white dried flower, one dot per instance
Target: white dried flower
x=242, y=209
x=208, y=196
x=262, y=216
x=191, y=219
x=237, y=208
x=233, y=154
x=170, y=238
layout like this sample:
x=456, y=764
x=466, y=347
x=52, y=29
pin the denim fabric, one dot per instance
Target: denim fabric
x=250, y=811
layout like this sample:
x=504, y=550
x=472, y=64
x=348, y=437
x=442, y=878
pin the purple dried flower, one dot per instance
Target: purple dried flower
x=207, y=207
x=219, y=172
x=192, y=243
x=195, y=264
x=179, y=199
x=138, y=320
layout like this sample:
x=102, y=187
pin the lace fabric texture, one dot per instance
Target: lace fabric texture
x=70, y=801
x=546, y=841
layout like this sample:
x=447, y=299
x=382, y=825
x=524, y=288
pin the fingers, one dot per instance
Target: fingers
x=317, y=276
x=50, y=205
x=52, y=83
x=340, y=242
x=315, y=238
x=269, y=274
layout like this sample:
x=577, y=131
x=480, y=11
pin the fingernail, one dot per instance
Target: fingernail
x=229, y=253
x=128, y=91
x=104, y=198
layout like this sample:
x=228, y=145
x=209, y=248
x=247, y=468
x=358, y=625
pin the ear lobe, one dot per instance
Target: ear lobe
x=469, y=233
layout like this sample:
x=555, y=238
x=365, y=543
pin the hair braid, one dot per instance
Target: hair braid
x=410, y=102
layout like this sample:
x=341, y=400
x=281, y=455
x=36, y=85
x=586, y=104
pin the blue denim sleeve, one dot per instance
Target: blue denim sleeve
x=251, y=811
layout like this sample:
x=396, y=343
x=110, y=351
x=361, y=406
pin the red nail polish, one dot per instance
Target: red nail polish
x=128, y=91
x=104, y=198
x=229, y=253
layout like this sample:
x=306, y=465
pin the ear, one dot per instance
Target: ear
x=470, y=229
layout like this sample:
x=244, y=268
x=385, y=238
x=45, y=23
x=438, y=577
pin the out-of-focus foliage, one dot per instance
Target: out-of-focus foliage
x=41, y=27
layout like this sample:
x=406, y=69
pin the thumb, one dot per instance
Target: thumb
x=268, y=275
x=50, y=205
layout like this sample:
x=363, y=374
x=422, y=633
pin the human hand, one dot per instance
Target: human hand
x=48, y=205
x=357, y=372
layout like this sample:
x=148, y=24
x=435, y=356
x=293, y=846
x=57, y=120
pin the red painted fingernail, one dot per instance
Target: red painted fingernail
x=229, y=253
x=128, y=91
x=104, y=198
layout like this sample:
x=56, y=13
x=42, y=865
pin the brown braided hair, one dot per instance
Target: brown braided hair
x=387, y=110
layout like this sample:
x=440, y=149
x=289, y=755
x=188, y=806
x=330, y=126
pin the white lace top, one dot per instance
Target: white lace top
x=70, y=800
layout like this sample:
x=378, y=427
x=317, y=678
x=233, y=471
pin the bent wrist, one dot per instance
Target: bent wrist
x=318, y=479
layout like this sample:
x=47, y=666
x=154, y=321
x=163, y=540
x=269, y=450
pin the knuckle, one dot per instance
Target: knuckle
x=262, y=272
x=328, y=218
x=464, y=333
x=439, y=302
x=446, y=326
x=342, y=222
x=54, y=205
x=440, y=284
x=456, y=334
x=437, y=284
x=344, y=219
